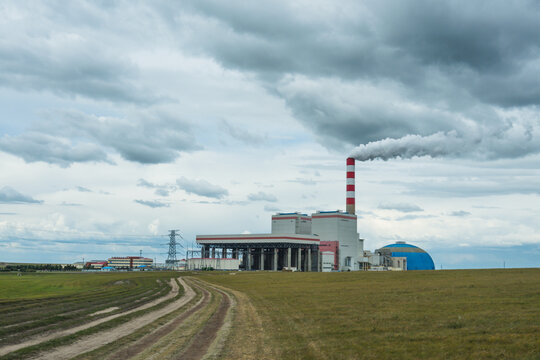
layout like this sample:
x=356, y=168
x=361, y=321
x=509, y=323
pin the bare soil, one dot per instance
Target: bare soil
x=104, y=311
x=202, y=341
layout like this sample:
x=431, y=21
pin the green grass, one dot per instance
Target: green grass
x=36, y=303
x=68, y=339
x=44, y=285
x=473, y=314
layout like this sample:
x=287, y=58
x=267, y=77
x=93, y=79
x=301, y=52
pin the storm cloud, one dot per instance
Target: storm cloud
x=359, y=74
x=62, y=51
x=367, y=73
x=72, y=136
x=8, y=195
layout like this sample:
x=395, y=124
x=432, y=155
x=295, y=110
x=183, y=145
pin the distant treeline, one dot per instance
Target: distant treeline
x=38, y=267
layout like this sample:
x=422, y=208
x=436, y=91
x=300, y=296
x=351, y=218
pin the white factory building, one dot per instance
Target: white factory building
x=297, y=242
x=322, y=241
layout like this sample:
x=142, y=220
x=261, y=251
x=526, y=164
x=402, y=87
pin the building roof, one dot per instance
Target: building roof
x=258, y=239
x=417, y=259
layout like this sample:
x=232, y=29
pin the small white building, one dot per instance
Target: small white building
x=213, y=263
x=327, y=259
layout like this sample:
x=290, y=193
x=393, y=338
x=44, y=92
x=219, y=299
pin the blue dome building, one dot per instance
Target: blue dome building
x=417, y=259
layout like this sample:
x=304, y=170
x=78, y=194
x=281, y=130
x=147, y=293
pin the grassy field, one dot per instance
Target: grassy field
x=46, y=285
x=36, y=303
x=467, y=314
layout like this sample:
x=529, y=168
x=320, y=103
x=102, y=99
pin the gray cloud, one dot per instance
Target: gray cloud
x=473, y=188
x=271, y=208
x=460, y=213
x=69, y=204
x=147, y=184
x=201, y=188
x=262, y=196
x=403, y=207
x=83, y=189
x=62, y=51
x=366, y=74
x=242, y=134
x=414, y=217
x=152, y=204
x=162, y=192
x=8, y=195
x=34, y=146
x=303, y=181
x=71, y=136
x=371, y=72
x=160, y=189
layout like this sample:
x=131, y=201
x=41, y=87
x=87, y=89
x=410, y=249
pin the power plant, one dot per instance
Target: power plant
x=323, y=241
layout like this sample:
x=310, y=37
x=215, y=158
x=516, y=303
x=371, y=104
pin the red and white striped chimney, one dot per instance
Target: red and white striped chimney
x=350, y=187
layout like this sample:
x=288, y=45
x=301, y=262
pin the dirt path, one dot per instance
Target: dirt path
x=99, y=339
x=202, y=342
x=248, y=331
x=150, y=339
x=52, y=335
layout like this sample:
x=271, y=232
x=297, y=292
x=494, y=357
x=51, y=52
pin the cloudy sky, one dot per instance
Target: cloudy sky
x=120, y=120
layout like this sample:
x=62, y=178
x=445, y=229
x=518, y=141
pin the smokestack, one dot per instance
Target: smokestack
x=350, y=204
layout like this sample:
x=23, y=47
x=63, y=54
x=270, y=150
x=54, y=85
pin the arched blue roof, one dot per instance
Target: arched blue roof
x=417, y=259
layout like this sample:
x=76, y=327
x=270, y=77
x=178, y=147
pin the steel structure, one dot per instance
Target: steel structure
x=171, y=258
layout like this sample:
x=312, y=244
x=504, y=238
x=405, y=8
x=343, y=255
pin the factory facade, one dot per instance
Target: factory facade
x=322, y=241
x=130, y=262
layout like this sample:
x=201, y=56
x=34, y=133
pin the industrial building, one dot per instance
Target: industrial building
x=130, y=262
x=323, y=241
x=402, y=256
x=95, y=264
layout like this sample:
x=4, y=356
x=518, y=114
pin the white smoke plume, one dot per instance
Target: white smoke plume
x=515, y=139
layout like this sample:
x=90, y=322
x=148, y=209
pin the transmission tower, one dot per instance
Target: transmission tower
x=171, y=259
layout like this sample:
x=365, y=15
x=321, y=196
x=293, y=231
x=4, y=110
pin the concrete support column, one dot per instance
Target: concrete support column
x=309, y=259
x=261, y=260
x=275, y=260
x=319, y=261
x=224, y=253
x=235, y=253
x=248, y=259
x=289, y=257
x=213, y=252
x=298, y=259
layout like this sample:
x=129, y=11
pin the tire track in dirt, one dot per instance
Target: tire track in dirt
x=53, y=335
x=97, y=340
x=206, y=336
x=152, y=338
x=242, y=326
